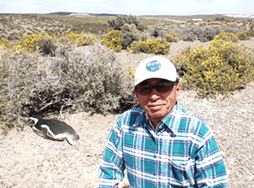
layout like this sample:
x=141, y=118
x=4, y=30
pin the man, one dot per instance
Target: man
x=160, y=144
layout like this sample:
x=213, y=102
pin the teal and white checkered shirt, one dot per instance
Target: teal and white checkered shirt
x=181, y=152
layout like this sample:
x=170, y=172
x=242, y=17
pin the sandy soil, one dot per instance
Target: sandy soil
x=28, y=160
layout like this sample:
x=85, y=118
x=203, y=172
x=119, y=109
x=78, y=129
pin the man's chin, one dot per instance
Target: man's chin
x=156, y=115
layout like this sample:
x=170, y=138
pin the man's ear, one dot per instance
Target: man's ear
x=178, y=91
x=136, y=95
x=135, y=92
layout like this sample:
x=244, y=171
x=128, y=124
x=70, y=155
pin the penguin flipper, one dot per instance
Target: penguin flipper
x=52, y=135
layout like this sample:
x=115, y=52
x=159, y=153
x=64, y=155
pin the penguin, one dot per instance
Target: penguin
x=54, y=129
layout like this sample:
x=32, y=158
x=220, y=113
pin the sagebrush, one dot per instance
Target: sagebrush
x=34, y=84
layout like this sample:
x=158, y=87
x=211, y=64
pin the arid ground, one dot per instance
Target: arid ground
x=28, y=160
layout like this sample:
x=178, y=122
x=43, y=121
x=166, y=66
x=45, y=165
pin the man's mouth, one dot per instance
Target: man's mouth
x=155, y=106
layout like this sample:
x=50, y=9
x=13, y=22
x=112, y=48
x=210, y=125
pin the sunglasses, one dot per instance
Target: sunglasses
x=163, y=86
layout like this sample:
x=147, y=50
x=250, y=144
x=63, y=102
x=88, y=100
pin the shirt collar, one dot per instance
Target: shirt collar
x=169, y=120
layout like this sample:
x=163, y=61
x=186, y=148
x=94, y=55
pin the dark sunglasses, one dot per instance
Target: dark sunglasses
x=163, y=86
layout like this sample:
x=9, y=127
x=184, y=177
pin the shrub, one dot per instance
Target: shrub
x=156, y=31
x=131, y=72
x=43, y=42
x=188, y=37
x=175, y=37
x=208, y=34
x=151, y=46
x=47, y=47
x=227, y=37
x=130, y=34
x=244, y=35
x=230, y=29
x=35, y=85
x=90, y=39
x=4, y=43
x=190, y=32
x=119, y=21
x=252, y=29
x=112, y=40
x=221, y=69
x=75, y=37
x=220, y=19
x=30, y=42
x=16, y=83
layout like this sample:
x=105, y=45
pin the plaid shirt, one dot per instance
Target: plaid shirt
x=182, y=152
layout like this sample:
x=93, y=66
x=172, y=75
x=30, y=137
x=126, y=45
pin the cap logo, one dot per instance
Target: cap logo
x=153, y=66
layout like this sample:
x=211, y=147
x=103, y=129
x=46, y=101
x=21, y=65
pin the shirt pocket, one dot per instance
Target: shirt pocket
x=181, y=172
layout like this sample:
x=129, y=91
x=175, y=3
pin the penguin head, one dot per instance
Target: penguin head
x=34, y=120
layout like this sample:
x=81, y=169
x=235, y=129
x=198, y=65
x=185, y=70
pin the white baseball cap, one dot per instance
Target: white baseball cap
x=155, y=67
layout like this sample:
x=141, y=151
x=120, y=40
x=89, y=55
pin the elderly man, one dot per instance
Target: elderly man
x=159, y=143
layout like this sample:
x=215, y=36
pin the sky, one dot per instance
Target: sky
x=130, y=7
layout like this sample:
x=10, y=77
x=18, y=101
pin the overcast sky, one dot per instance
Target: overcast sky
x=130, y=7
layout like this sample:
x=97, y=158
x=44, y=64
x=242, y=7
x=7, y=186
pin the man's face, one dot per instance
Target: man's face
x=158, y=104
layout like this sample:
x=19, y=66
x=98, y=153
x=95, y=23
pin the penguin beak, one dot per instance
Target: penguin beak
x=33, y=121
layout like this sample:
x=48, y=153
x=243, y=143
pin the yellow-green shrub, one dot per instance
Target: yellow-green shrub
x=131, y=72
x=75, y=37
x=225, y=36
x=151, y=46
x=31, y=42
x=222, y=68
x=112, y=40
x=244, y=35
x=4, y=43
x=175, y=37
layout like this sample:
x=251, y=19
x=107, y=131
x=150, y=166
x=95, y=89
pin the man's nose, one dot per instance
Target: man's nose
x=154, y=95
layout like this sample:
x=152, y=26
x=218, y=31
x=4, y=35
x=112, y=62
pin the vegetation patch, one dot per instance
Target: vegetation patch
x=34, y=84
x=222, y=68
x=41, y=71
x=152, y=46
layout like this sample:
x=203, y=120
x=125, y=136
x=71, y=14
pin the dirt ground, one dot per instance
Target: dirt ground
x=28, y=160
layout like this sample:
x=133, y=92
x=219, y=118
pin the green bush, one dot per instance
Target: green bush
x=130, y=34
x=233, y=28
x=47, y=47
x=119, y=21
x=191, y=32
x=152, y=46
x=222, y=68
x=156, y=31
x=188, y=37
x=208, y=34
